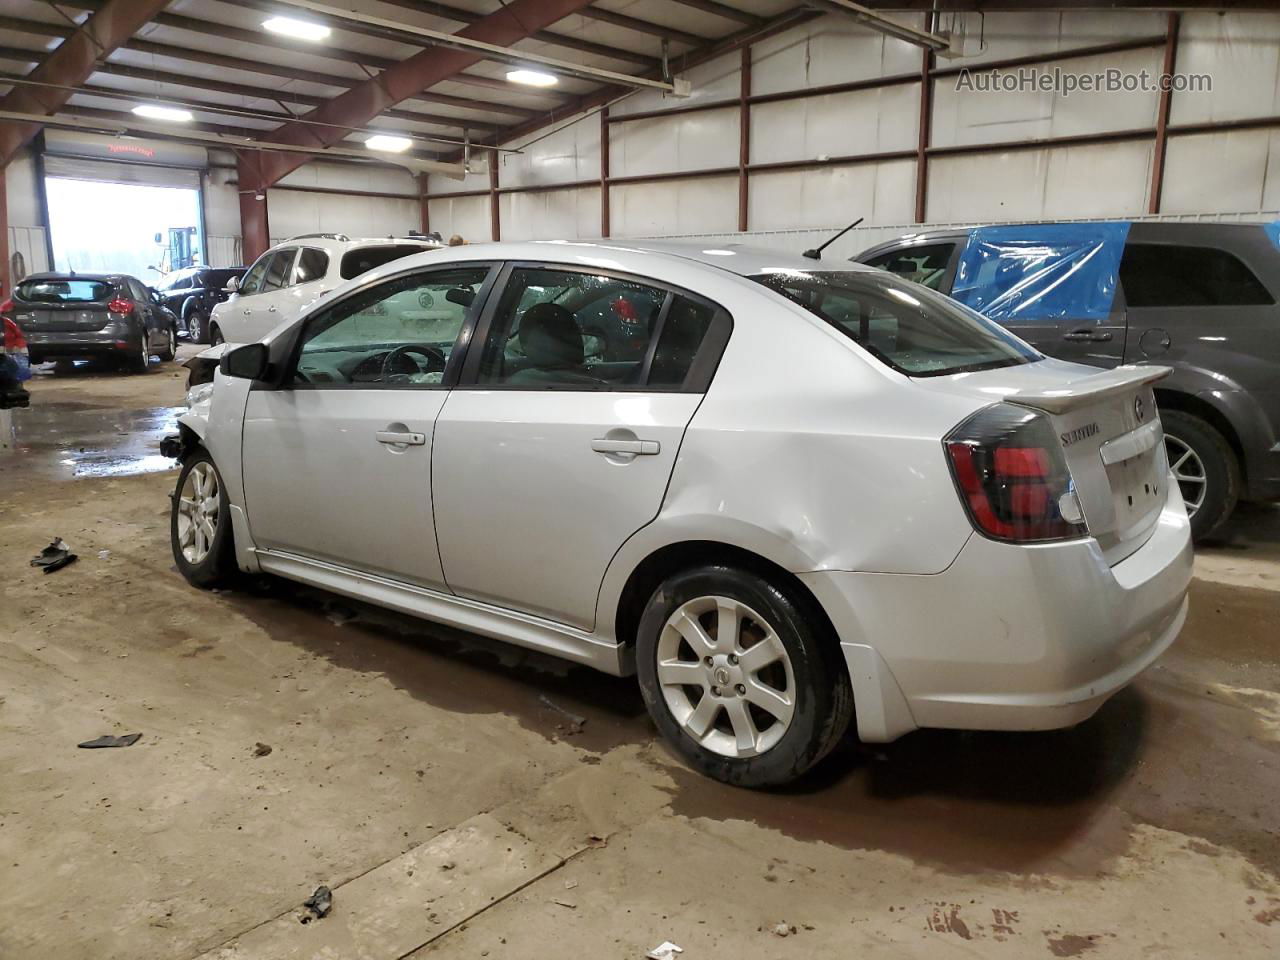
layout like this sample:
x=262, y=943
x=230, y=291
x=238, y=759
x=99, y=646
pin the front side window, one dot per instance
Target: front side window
x=914, y=330
x=312, y=264
x=397, y=334
x=252, y=282
x=926, y=265
x=1164, y=275
x=579, y=330
x=278, y=270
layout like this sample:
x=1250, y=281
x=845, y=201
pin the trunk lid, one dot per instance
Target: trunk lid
x=59, y=317
x=1109, y=431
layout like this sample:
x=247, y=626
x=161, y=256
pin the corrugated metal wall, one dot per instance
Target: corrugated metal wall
x=1232, y=172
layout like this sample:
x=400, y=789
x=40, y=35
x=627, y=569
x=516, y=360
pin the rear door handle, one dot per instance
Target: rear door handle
x=643, y=448
x=402, y=439
x=1097, y=336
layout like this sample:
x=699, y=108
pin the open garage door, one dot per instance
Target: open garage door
x=125, y=215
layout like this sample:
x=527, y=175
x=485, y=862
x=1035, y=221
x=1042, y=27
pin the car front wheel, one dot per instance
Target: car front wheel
x=1206, y=469
x=744, y=685
x=170, y=348
x=197, y=327
x=200, y=524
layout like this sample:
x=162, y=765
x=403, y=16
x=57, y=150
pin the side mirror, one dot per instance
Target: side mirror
x=248, y=362
x=232, y=285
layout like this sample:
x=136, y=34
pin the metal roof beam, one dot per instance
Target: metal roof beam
x=71, y=64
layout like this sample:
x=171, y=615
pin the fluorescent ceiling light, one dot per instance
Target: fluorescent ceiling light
x=532, y=78
x=153, y=111
x=298, y=29
x=389, y=144
x=718, y=253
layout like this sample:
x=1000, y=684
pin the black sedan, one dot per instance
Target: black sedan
x=75, y=316
x=193, y=293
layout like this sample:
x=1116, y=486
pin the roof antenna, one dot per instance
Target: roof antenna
x=816, y=253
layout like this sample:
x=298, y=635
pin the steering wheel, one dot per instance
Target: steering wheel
x=435, y=357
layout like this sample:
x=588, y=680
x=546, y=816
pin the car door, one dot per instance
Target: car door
x=148, y=311
x=337, y=460
x=271, y=304
x=545, y=460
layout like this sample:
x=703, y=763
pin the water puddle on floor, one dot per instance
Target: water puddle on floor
x=73, y=439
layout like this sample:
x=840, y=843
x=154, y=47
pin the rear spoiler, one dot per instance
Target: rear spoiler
x=1089, y=389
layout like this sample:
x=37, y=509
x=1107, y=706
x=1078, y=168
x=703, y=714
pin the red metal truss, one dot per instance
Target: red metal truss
x=70, y=65
x=515, y=21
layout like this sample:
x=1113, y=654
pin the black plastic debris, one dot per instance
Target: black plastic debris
x=319, y=903
x=261, y=749
x=126, y=740
x=54, y=557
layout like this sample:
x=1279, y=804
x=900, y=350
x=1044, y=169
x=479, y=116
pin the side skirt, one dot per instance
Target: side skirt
x=508, y=625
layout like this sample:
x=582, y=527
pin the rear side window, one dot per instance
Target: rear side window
x=356, y=262
x=912, y=329
x=1164, y=275
x=925, y=265
x=65, y=291
x=312, y=264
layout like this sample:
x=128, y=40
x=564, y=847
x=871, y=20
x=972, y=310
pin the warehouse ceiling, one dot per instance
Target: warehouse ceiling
x=215, y=59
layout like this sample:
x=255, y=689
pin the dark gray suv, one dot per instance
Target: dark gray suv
x=1198, y=297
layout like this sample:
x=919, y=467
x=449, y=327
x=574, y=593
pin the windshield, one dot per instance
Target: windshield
x=909, y=327
x=64, y=291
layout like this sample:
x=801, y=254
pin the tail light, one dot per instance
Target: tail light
x=1013, y=477
x=120, y=305
x=6, y=308
x=13, y=338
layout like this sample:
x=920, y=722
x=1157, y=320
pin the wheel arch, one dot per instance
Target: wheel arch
x=1197, y=406
x=672, y=558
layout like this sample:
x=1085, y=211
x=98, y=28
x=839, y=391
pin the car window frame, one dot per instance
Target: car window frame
x=696, y=381
x=294, y=341
x=948, y=277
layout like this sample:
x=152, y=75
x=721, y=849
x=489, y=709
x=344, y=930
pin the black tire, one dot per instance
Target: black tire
x=1221, y=470
x=139, y=358
x=218, y=568
x=215, y=335
x=170, y=349
x=823, y=698
x=197, y=326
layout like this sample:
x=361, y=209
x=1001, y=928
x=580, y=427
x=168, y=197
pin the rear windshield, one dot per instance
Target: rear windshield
x=356, y=262
x=911, y=328
x=65, y=291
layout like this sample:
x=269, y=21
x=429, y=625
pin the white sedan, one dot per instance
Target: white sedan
x=785, y=494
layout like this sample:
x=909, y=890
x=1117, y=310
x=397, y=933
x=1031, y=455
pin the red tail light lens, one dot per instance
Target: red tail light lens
x=120, y=305
x=1012, y=476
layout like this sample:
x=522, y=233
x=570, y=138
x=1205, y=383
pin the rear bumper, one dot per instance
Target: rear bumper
x=1008, y=637
x=81, y=343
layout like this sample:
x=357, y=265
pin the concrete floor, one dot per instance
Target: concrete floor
x=438, y=784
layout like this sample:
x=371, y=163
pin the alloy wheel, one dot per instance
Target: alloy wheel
x=1188, y=470
x=726, y=677
x=198, y=508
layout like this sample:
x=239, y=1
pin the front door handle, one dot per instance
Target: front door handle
x=401, y=439
x=1096, y=336
x=643, y=448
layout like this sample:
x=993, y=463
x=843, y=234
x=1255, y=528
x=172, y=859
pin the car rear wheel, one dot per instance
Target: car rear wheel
x=170, y=348
x=200, y=524
x=141, y=358
x=745, y=686
x=1206, y=469
x=197, y=326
